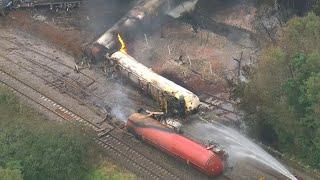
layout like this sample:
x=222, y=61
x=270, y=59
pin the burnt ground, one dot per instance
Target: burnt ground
x=207, y=55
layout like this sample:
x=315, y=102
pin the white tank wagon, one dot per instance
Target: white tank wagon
x=134, y=17
x=172, y=98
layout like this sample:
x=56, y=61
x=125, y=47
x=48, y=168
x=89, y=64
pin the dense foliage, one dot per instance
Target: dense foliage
x=32, y=147
x=281, y=101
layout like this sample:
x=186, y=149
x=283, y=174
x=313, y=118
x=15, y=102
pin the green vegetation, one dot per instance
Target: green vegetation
x=32, y=147
x=281, y=101
x=109, y=171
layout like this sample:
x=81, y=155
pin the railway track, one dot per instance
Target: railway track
x=47, y=56
x=77, y=89
x=57, y=80
x=118, y=150
x=122, y=151
x=222, y=108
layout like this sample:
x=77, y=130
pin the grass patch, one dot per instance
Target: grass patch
x=109, y=171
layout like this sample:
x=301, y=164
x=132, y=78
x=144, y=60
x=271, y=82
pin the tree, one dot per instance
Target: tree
x=281, y=101
x=34, y=148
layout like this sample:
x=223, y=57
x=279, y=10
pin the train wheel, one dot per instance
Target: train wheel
x=134, y=134
x=137, y=136
x=178, y=130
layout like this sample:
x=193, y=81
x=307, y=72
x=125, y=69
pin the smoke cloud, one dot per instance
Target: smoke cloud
x=122, y=106
x=102, y=14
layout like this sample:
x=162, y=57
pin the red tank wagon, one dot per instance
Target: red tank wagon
x=153, y=132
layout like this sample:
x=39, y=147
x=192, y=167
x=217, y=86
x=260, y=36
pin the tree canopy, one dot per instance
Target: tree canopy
x=34, y=148
x=281, y=101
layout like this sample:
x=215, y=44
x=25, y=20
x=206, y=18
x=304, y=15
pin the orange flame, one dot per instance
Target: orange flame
x=123, y=48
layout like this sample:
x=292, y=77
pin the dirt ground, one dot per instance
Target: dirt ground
x=207, y=56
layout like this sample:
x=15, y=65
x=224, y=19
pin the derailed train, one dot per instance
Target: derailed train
x=210, y=160
x=173, y=99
